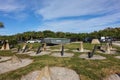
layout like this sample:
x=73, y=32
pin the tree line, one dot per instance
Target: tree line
x=112, y=32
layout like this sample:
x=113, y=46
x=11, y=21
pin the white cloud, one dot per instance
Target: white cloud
x=53, y=10
x=11, y=6
x=13, y=9
x=66, y=8
x=109, y=9
x=82, y=25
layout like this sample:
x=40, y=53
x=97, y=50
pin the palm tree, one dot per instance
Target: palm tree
x=1, y=25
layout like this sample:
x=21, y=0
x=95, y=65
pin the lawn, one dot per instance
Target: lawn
x=86, y=69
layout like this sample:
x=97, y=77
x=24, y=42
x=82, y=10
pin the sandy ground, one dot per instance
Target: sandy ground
x=111, y=52
x=58, y=54
x=32, y=53
x=81, y=51
x=58, y=49
x=116, y=43
x=9, y=66
x=4, y=58
x=56, y=73
x=98, y=57
x=39, y=54
x=117, y=57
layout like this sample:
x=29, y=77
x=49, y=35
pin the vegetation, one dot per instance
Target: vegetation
x=87, y=69
x=1, y=25
x=112, y=32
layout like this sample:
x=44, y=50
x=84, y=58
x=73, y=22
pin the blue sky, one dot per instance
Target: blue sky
x=77, y=16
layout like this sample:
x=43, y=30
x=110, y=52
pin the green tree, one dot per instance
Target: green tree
x=1, y=25
x=48, y=33
x=60, y=34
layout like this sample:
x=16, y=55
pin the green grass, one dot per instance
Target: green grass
x=86, y=69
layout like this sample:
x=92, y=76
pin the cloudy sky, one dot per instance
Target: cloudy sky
x=77, y=16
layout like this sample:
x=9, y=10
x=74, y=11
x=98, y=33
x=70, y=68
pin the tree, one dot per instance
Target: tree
x=1, y=25
x=60, y=34
x=48, y=33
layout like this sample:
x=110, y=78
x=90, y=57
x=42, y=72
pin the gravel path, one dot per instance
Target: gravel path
x=9, y=66
x=58, y=54
x=98, y=57
x=56, y=73
x=4, y=58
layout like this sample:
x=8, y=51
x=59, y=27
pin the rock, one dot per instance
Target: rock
x=15, y=59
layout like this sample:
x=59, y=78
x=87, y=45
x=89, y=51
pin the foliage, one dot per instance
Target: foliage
x=112, y=32
x=1, y=25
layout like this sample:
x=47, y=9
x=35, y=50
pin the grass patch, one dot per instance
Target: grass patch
x=86, y=69
x=6, y=53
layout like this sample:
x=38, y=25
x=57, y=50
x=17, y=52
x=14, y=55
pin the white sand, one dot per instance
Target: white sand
x=9, y=66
